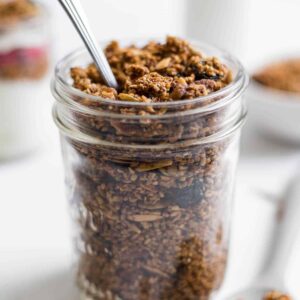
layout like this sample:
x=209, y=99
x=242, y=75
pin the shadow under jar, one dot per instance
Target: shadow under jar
x=150, y=194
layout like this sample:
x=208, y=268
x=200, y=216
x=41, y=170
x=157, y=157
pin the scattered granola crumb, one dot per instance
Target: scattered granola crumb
x=283, y=75
x=275, y=295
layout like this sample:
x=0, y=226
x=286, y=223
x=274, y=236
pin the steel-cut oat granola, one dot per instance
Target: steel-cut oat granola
x=152, y=214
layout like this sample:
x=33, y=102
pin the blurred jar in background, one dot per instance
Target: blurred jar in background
x=24, y=59
x=222, y=23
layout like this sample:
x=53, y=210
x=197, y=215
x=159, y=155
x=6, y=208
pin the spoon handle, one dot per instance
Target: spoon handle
x=76, y=14
x=285, y=234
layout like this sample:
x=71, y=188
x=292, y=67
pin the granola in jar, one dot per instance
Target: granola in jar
x=149, y=171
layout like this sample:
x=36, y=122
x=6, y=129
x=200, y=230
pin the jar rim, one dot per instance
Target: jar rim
x=237, y=86
x=82, y=137
x=67, y=100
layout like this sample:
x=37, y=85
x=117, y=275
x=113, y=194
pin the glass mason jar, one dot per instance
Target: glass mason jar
x=150, y=194
x=24, y=59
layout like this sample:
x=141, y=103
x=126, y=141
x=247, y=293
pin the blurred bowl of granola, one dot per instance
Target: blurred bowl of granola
x=274, y=98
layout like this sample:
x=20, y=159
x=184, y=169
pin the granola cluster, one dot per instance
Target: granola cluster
x=155, y=73
x=274, y=295
x=283, y=76
x=14, y=11
x=151, y=207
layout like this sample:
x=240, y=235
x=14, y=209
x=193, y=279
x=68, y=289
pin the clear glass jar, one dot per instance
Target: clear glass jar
x=24, y=59
x=150, y=195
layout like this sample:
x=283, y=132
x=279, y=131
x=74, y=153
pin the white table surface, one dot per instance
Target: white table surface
x=35, y=249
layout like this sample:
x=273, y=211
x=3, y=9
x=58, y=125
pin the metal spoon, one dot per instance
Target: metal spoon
x=272, y=276
x=76, y=14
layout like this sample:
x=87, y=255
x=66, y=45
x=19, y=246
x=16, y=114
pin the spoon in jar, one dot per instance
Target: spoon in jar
x=288, y=226
x=76, y=14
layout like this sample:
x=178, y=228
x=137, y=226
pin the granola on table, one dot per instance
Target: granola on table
x=152, y=217
x=275, y=295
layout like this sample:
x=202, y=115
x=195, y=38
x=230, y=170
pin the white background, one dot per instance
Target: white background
x=35, y=249
x=115, y=19
x=264, y=27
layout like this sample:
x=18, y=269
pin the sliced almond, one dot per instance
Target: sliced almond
x=144, y=167
x=128, y=97
x=163, y=63
x=155, y=271
x=145, y=218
